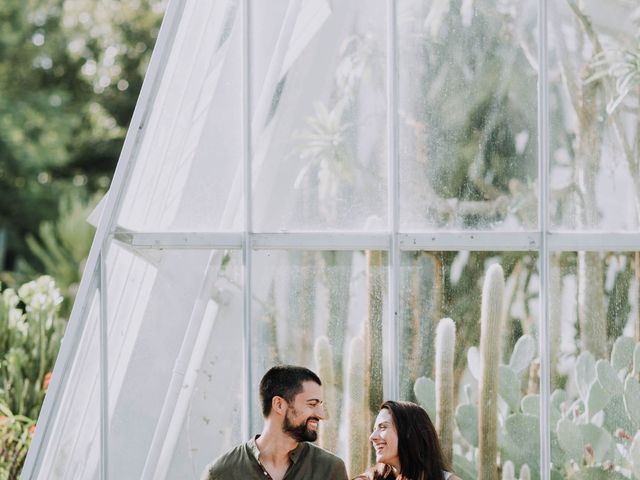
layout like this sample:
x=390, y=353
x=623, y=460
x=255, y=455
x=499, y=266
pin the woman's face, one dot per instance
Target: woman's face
x=385, y=440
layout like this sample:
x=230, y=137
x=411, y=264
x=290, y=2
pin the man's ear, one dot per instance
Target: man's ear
x=279, y=405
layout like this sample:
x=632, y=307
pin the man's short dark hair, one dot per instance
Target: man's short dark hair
x=284, y=381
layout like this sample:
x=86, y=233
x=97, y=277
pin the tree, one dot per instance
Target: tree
x=70, y=73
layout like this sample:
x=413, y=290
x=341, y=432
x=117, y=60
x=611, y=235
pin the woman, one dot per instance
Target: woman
x=406, y=445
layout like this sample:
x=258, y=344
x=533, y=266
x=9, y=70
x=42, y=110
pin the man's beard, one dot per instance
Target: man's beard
x=300, y=433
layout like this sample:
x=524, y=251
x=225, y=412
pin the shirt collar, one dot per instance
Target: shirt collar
x=294, y=455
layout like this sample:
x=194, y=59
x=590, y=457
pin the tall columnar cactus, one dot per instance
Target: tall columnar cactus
x=508, y=471
x=491, y=314
x=591, y=311
x=373, y=331
x=324, y=364
x=445, y=349
x=357, y=409
x=555, y=316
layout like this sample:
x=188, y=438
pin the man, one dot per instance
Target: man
x=292, y=407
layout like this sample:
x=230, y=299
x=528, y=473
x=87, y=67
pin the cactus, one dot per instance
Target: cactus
x=592, y=436
x=525, y=472
x=445, y=348
x=591, y=311
x=357, y=413
x=635, y=455
x=491, y=313
x=508, y=471
x=373, y=330
x=324, y=365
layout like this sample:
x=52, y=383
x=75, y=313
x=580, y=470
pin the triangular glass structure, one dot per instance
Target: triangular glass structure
x=319, y=182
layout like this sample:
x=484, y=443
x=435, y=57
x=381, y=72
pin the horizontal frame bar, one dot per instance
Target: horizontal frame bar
x=594, y=241
x=180, y=240
x=407, y=241
x=321, y=241
x=449, y=241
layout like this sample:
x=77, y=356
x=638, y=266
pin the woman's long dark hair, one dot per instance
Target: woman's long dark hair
x=419, y=449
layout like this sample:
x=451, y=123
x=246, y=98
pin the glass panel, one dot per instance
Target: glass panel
x=319, y=115
x=595, y=332
x=73, y=449
x=460, y=315
x=467, y=114
x=188, y=171
x=167, y=312
x=324, y=310
x=595, y=182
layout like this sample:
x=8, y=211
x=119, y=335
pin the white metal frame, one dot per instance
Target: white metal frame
x=392, y=240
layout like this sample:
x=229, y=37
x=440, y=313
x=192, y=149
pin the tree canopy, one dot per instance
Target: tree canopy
x=70, y=74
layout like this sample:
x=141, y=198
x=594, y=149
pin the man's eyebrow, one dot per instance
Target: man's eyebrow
x=314, y=400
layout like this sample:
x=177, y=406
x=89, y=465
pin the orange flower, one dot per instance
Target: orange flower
x=47, y=379
x=32, y=429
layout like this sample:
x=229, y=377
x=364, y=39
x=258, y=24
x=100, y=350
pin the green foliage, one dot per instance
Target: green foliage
x=70, y=73
x=16, y=432
x=63, y=246
x=30, y=334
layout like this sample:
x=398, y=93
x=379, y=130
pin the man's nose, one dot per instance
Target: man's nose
x=322, y=413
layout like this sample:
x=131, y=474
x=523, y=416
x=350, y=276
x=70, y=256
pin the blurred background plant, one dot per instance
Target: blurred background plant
x=70, y=73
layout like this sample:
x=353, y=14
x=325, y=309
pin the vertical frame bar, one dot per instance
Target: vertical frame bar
x=104, y=369
x=543, y=255
x=391, y=382
x=247, y=427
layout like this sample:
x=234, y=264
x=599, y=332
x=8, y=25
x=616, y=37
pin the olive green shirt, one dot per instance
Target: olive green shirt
x=308, y=462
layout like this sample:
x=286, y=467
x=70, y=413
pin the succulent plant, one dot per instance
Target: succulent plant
x=595, y=435
x=491, y=314
x=445, y=349
x=357, y=413
x=324, y=364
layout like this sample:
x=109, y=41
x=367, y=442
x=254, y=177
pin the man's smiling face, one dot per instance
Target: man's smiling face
x=304, y=413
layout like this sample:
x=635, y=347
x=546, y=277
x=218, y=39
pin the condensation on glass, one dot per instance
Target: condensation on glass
x=189, y=176
x=595, y=181
x=318, y=100
x=467, y=115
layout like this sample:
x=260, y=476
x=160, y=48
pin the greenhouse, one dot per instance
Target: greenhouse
x=409, y=197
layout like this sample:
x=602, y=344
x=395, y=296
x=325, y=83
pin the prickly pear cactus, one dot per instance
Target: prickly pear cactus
x=594, y=435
